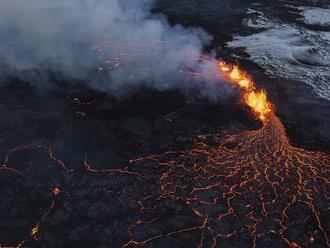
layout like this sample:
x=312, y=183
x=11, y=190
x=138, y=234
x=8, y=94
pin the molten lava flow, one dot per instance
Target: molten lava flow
x=254, y=194
x=224, y=67
x=238, y=188
x=35, y=230
x=235, y=74
x=256, y=100
x=56, y=191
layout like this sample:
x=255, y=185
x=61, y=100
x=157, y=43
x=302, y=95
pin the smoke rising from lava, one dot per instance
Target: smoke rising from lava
x=57, y=36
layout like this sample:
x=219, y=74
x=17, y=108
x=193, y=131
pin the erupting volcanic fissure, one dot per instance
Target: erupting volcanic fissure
x=256, y=100
x=234, y=189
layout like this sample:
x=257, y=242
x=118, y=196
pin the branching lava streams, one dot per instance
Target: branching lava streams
x=250, y=189
x=244, y=190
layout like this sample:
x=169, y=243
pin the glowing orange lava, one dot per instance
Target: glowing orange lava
x=56, y=191
x=256, y=100
x=237, y=188
x=35, y=230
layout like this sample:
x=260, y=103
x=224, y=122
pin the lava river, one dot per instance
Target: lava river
x=236, y=189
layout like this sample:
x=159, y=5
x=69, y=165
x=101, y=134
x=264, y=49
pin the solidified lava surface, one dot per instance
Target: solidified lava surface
x=82, y=170
x=238, y=188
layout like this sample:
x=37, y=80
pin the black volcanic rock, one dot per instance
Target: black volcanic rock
x=51, y=137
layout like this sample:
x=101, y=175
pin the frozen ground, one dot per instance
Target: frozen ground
x=291, y=51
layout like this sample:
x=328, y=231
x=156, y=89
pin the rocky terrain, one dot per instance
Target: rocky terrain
x=82, y=168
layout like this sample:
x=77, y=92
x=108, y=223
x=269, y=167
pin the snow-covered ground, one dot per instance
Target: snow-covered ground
x=318, y=16
x=292, y=51
x=256, y=19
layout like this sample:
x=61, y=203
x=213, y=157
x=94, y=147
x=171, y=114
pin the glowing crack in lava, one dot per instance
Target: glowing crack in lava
x=235, y=189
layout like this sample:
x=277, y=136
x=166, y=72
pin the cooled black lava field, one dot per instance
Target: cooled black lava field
x=120, y=152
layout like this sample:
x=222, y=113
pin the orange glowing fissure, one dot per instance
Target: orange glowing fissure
x=255, y=99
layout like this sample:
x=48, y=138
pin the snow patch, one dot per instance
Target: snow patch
x=292, y=52
x=316, y=16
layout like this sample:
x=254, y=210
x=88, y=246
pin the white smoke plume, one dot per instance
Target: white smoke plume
x=59, y=36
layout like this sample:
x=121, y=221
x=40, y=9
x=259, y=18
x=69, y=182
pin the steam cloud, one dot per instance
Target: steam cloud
x=58, y=35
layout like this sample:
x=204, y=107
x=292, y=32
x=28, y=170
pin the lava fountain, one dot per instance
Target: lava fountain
x=256, y=100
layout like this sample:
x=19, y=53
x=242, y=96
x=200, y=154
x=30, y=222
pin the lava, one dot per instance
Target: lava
x=56, y=191
x=256, y=100
x=248, y=189
x=34, y=230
